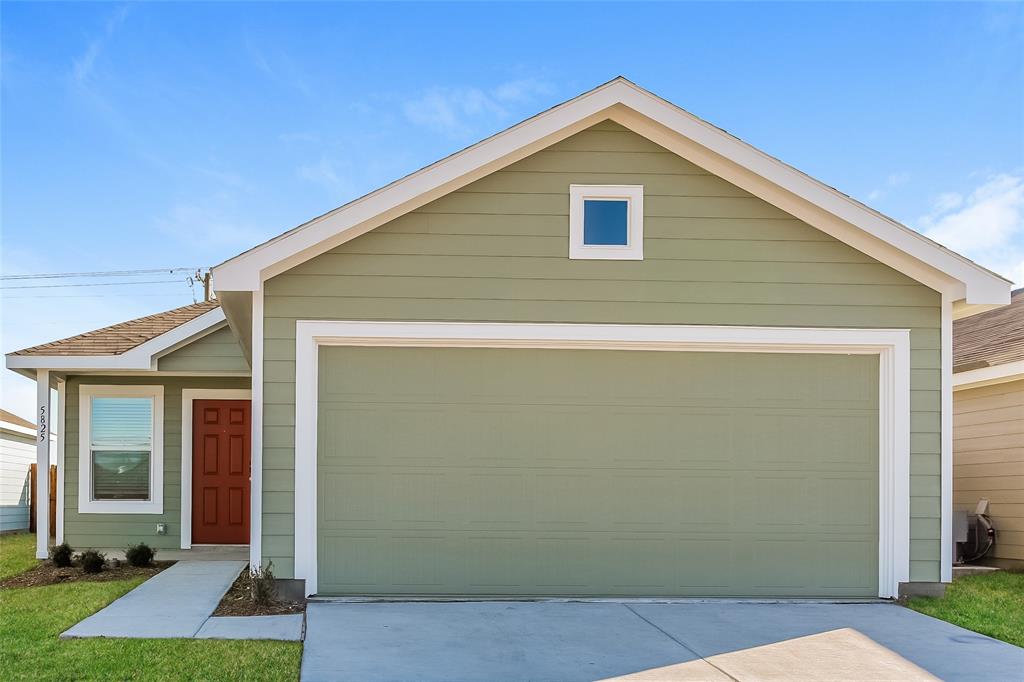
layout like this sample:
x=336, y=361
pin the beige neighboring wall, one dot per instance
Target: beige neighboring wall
x=988, y=459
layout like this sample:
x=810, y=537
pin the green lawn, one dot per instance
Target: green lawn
x=17, y=554
x=32, y=618
x=991, y=604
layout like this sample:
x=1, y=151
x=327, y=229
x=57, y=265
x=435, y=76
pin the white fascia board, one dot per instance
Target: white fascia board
x=246, y=271
x=986, y=376
x=17, y=428
x=142, y=357
x=812, y=201
x=982, y=286
x=962, y=308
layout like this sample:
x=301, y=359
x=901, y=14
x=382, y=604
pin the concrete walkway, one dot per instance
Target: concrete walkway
x=173, y=603
x=630, y=641
x=288, y=627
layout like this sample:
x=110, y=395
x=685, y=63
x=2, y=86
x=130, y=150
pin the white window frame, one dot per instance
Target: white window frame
x=892, y=346
x=633, y=195
x=87, y=505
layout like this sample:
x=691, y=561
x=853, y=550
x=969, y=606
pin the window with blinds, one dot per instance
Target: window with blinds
x=121, y=447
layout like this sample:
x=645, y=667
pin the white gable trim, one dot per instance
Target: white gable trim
x=663, y=123
x=986, y=376
x=142, y=357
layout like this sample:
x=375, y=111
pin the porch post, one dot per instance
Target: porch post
x=42, y=491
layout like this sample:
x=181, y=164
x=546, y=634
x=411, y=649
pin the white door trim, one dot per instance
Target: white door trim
x=891, y=345
x=188, y=395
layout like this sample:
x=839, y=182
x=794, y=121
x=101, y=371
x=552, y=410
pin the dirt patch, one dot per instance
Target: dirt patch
x=237, y=601
x=48, y=574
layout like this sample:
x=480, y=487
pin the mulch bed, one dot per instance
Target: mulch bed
x=237, y=602
x=48, y=574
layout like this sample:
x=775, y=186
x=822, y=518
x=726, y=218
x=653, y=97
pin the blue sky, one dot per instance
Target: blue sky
x=159, y=135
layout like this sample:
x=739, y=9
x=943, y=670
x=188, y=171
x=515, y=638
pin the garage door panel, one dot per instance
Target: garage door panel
x=418, y=563
x=565, y=500
x=417, y=498
x=839, y=564
x=704, y=565
x=774, y=506
x=704, y=502
x=840, y=503
x=596, y=473
x=779, y=563
x=355, y=497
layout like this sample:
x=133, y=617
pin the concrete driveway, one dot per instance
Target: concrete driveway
x=462, y=641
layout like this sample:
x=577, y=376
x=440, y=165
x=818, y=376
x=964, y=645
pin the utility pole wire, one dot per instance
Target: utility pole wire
x=107, y=273
x=92, y=284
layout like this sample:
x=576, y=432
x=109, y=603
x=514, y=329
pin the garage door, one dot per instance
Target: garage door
x=480, y=471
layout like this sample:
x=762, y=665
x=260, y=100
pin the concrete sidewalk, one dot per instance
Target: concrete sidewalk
x=173, y=603
x=631, y=641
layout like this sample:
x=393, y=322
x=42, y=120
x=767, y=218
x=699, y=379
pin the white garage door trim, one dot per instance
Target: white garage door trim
x=891, y=345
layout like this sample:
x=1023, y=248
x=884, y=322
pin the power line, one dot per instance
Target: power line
x=132, y=296
x=93, y=284
x=107, y=273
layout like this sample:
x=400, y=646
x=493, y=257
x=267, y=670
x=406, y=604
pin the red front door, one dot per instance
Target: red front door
x=220, y=471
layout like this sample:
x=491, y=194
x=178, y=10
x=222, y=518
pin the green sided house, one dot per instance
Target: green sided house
x=610, y=351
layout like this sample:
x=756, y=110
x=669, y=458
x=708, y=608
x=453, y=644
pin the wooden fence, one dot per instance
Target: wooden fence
x=53, y=500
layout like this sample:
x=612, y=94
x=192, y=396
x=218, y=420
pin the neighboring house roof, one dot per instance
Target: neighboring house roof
x=122, y=337
x=134, y=345
x=990, y=338
x=989, y=347
x=661, y=122
x=11, y=418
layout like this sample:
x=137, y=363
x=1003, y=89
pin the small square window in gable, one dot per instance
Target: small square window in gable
x=606, y=222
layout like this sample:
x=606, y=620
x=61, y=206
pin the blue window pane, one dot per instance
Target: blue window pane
x=605, y=223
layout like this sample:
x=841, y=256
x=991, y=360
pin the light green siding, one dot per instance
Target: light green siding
x=497, y=251
x=216, y=352
x=597, y=473
x=82, y=531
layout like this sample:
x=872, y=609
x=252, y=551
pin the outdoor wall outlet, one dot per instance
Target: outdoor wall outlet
x=161, y=529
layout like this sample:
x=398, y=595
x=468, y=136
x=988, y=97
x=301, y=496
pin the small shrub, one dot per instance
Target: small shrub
x=92, y=561
x=140, y=554
x=61, y=555
x=262, y=588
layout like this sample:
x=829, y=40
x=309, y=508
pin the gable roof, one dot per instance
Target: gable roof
x=11, y=418
x=123, y=336
x=134, y=345
x=991, y=338
x=665, y=124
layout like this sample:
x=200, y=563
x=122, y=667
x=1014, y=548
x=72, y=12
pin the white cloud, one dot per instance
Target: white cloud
x=212, y=223
x=894, y=180
x=327, y=174
x=279, y=67
x=457, y=111
x=83, y=66
x=522, y=90
x=987, y=225
x=897, y=179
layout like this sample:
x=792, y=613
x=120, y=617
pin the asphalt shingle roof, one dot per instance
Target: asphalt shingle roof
x=122, y=337
x=990, y=338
